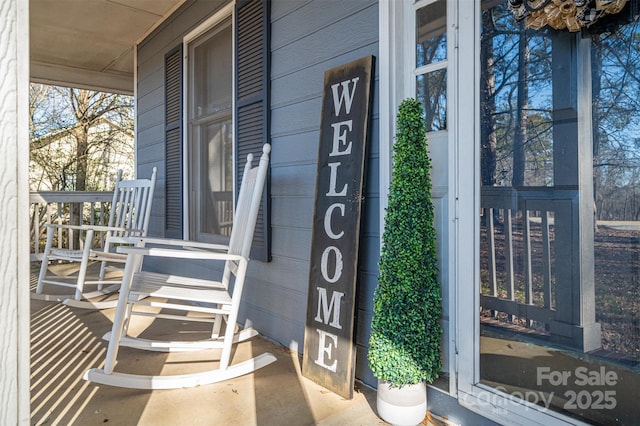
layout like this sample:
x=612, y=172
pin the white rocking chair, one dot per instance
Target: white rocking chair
x=129, y=217
x=216, y=300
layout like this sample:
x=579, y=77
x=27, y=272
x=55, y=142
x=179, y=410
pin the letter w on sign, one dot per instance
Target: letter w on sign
x=329, y=348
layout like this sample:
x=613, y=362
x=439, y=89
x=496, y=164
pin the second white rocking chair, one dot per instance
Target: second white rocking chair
x=129, y=217
x=220, y=300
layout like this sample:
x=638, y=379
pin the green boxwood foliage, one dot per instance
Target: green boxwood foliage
x=404, y=347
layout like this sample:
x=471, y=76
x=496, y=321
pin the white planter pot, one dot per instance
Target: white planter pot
x=405, y=406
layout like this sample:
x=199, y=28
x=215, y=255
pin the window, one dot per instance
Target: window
x=222, y=117
x=431, y=63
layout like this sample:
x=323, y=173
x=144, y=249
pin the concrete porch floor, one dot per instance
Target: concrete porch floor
x=65, y=342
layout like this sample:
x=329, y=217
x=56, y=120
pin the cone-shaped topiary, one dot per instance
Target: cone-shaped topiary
x=404, y=347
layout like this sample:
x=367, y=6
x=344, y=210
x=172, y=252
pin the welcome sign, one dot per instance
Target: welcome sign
x=329, y=350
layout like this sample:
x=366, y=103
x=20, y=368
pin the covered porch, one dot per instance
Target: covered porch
x=65, y=342
x=91, y=45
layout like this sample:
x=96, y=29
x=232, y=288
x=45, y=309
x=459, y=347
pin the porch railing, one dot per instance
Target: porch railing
x=519, y=252
x=66, y=207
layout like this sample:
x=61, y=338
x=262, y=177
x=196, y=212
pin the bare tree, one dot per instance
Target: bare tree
x=487, y=94
x=516, y=116
x=76, y=137
x=79, y=138
x=520, y=130
x=616, y=112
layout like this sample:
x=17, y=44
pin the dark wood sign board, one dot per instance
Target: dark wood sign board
x=329, y=348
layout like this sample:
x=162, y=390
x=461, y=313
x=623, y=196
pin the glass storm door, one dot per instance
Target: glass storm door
x=558, y=227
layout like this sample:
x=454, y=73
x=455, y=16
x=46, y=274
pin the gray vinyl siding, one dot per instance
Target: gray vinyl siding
x=307, y=38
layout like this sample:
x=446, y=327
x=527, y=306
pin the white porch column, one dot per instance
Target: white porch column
x=14, y=212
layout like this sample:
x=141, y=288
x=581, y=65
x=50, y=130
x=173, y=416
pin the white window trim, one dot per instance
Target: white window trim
x=466, y=198
x=425, y=69
x=226, y=12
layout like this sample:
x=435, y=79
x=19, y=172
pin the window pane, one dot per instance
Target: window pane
x=215, y=189
x=517, y=102
x=213, y=79
x=431, y=34
x=431, y=90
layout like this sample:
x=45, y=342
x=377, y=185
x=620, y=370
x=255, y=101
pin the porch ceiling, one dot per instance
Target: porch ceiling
x=89, y=43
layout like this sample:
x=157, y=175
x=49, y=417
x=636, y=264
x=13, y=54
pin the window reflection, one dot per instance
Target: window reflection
x=431, y=63
x=517, y=103
x=431, y=34
x=431, y=90
x=213, y=79
x=560, y=217
x=215, y=195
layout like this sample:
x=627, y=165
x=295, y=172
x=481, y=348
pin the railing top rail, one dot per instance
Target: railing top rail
x=529, y=189
x=525, y=197
x=70, y=196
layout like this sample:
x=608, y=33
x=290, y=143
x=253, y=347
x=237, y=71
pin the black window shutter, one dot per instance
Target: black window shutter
x=252, y=103
x=173, y=143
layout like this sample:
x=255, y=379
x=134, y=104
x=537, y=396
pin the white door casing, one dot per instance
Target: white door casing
x=398, y=73
x=455, y=153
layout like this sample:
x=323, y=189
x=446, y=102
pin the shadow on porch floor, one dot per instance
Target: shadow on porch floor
x=65, y=342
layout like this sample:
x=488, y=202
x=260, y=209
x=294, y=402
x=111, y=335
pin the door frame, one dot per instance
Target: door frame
x=460, y=263
x=482, y=399
x=396, y=82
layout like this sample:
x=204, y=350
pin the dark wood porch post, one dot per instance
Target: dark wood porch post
x=573, y=169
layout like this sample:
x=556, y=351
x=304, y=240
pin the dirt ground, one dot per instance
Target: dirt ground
x=617, y=269
x=617, y=282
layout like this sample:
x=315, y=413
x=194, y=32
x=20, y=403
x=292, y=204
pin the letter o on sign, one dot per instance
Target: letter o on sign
x=324, y=263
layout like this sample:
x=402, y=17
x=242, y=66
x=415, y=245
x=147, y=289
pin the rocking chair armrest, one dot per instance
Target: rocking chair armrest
x=193, y=245
x=177, y=253
x=104, y=228
x=65, y=226
x=122, y=240
x=95, y=228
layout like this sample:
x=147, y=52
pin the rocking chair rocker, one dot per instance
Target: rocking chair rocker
x=129, y=217
x=218, y=300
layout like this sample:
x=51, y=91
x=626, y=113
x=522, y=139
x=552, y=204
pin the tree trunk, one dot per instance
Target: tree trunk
x=520, y=131
x=488, y=135
x=82, y=148
x=82, y=156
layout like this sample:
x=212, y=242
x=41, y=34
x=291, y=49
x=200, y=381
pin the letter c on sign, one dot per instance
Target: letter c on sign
x=327, y=221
